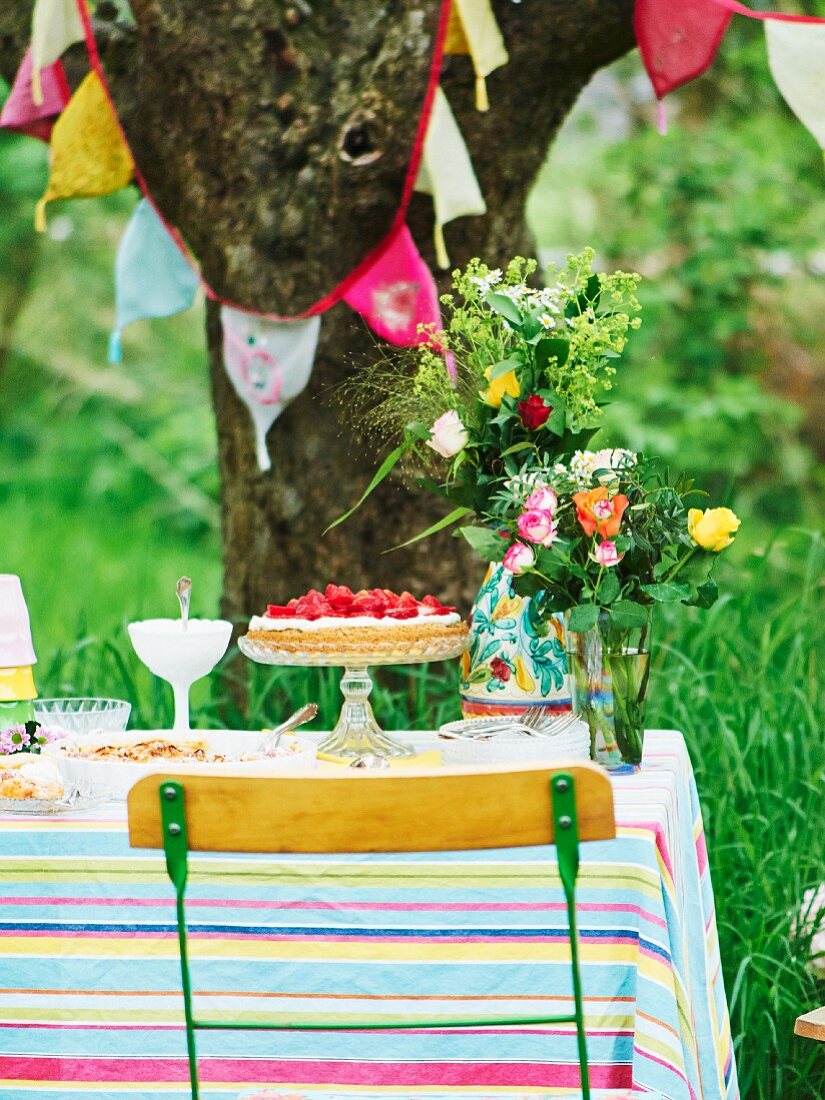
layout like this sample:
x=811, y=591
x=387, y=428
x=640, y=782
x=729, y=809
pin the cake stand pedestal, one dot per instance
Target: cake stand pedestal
x=357, y=732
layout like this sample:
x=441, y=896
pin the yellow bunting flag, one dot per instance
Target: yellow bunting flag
x=447, y=173
x=796, y=55
x=473, y=30
x=88, y=154
x=56, y=25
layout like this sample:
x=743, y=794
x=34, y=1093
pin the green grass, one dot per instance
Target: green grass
x=744, y=684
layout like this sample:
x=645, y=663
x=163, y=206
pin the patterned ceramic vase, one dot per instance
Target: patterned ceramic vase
x=514, y=661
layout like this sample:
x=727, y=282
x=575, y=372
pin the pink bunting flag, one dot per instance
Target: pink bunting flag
x=397, y=294
x=22, y=114
x=678, y=39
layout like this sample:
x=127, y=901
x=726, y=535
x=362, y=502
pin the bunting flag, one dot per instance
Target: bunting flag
x=678, y=41
x=152, y=277
x=397, y=294
x=21, y=114
x=269, y=363
x=473, y=30
x=88, y=154
x=447, y=174
x=56, y=25
x=796, y=56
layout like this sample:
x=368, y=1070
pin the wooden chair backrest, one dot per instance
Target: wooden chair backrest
x=413, y=811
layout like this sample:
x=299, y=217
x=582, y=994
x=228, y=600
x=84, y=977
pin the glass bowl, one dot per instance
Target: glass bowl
x=82, y=716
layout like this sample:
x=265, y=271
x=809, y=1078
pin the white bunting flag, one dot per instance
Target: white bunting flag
x=447, y=173
x=56, y=25
x=269, y=363
x=796, y=55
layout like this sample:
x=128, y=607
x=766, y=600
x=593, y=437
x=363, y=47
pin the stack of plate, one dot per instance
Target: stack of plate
x=465, y=746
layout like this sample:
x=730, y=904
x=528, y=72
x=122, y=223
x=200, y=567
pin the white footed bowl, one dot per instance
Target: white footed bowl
x=178, y=655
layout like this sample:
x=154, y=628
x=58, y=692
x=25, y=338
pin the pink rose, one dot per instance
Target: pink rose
x=543, y=500
x=448, y=435
x=537, y=526
x=603, y=509
x=607, y=554
x=519, y=558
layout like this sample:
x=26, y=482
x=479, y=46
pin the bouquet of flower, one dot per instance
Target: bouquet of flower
x=514, y=380
x=604, y=533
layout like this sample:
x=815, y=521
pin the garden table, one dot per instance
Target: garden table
x=89, y=981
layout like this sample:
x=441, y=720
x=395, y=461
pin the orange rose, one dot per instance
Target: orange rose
x=599, y=513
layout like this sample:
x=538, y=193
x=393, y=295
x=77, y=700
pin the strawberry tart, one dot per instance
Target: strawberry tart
x=340, y=621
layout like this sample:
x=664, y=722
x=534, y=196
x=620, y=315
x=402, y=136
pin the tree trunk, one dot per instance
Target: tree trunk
x=276, y=137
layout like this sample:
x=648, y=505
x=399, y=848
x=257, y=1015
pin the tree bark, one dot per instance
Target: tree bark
x=276, y=138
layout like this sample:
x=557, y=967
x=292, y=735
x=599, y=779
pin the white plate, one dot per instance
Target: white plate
x=44, y=807
x=573, y=744
x=115, y=778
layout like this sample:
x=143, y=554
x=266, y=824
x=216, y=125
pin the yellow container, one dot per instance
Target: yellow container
x=17, y=684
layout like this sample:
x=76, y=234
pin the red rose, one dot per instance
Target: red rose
x=534, y=412
x=500, y=669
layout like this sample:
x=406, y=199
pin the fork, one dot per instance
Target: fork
x=544, y=723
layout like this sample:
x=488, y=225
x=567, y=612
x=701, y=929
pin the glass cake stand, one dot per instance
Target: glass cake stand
x=357, y=733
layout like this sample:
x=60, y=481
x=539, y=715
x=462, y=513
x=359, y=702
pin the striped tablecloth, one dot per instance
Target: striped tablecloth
x=89, y=979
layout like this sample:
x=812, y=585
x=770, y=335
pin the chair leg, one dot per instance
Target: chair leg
x=191, y=1050
x=581, y=1037
x=566, y=831
x=176, y=849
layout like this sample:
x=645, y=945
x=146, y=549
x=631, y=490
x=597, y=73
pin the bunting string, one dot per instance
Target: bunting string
x=338, y=292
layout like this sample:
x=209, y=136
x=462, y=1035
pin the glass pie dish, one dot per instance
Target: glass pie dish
x=357, y=733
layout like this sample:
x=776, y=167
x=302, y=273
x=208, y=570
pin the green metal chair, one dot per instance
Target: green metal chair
x=437, y=810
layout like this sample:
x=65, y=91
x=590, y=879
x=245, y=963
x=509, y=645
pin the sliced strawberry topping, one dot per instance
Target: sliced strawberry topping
x=338, y=592
x=274, y=611
x=340, y=602
x=402, y=613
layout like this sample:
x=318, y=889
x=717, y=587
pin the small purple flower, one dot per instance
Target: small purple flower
x=29, y=737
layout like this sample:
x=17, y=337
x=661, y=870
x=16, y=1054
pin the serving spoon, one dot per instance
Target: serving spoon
x=304, y=714
x=184, y=592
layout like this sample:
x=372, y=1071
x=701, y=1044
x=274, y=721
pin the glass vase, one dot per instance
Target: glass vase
x=609, y=672
x=515, y=660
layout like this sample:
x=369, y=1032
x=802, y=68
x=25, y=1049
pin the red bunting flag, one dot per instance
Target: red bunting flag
x=397, y=294
x=22, y=114
x=678, y=39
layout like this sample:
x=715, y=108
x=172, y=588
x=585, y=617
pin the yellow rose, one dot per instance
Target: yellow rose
x=504, y=384
x=713, y=529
